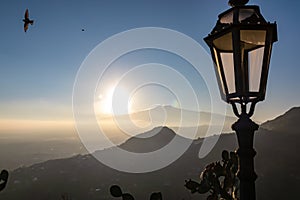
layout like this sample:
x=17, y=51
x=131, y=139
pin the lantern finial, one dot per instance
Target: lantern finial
x=234, y=3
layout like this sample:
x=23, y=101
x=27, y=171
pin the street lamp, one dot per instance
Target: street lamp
x=241, y=45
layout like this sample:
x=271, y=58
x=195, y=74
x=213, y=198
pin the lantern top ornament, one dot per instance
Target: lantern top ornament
x=234, y=3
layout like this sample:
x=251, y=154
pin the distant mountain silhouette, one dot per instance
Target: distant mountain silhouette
x=169, y=116
x=288, y=121
x=172, y=116
x=82, y=177
x=149, y=141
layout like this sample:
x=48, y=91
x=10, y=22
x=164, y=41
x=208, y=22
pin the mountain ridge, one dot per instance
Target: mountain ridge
x=142, y=114
x=151, y=140
x=290, y=118
x=83, y=177
x=169, y=116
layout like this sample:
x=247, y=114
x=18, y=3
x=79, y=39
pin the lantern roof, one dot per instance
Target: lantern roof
x=239, y=14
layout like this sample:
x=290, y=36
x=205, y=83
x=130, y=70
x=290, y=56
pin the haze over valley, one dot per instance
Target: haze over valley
x=82, y=176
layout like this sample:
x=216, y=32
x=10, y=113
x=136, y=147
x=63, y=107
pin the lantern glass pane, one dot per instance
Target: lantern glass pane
x=224, y=43
x=246, y=14
x=218, y=73
x=252, y=39
x=255, y=59
x=227, y=18
x=228, y=67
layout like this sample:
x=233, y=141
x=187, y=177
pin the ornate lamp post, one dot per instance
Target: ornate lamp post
x=241, y=45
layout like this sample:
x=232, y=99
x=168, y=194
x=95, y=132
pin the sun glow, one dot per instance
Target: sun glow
x=112, y=101
x=104, y=102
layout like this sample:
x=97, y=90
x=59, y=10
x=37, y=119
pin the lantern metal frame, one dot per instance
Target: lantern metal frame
x=233, y=21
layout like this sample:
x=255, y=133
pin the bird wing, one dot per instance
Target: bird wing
x=25, y=26
x=26, y=14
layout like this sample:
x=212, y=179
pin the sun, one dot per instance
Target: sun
x=103, y=104
x=112, y=101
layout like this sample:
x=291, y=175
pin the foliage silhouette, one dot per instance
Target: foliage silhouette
x=116, y=191
x=3, y=179
x=156, y=196
x=219, y=179
x=65, y=197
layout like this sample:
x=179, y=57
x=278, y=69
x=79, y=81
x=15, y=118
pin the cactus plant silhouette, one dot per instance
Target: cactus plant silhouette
x=218, y=179
x=156, y=196
x=3, y=179
x=65, y=197
x=116, y=191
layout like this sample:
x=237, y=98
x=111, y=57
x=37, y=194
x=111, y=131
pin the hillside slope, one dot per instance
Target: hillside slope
x=82, y=177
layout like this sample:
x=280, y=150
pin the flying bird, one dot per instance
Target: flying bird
x=26, y=20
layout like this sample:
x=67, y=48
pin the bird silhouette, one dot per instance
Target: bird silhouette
x=26, y=20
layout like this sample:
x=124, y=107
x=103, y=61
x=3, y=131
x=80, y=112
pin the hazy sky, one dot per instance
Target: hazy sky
x=38, y=68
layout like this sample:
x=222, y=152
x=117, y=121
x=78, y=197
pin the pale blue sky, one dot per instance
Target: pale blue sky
x=38, y=68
